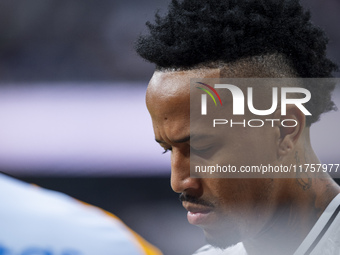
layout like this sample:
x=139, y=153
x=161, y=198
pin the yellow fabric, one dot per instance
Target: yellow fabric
x=148, y=248
x=145, y=246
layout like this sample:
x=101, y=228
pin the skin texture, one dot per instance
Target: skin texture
x=266, y=214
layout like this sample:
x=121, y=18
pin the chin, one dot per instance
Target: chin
x=222, y=240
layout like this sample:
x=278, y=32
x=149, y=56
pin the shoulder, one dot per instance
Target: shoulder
x=237, y=249
x=36, y=217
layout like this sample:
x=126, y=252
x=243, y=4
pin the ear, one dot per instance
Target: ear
x=291, y=127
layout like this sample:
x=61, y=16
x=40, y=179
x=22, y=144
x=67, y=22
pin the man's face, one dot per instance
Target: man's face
x=228, y=210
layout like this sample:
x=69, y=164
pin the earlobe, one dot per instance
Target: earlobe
x=291, y=128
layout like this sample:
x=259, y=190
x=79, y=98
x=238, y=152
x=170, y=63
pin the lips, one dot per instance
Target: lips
x=199, y=214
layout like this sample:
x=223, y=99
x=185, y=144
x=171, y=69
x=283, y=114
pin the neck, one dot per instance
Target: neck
x=301, y=201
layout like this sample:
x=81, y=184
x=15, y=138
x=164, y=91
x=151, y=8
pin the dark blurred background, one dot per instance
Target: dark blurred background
x=69, y=40
x=47, y=40
x=80, y=48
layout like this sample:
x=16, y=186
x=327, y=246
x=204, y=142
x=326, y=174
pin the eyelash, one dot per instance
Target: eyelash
x=166, y=150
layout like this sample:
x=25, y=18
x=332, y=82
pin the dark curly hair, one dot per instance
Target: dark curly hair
x=200, y=32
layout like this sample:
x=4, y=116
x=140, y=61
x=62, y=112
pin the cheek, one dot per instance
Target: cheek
x=245, y=151
x=227, y=192
x=257, y=146
x=241, y=195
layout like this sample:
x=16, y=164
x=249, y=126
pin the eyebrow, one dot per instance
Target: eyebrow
x=182, y=140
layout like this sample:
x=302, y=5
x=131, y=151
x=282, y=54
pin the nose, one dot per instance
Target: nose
x=180, y=172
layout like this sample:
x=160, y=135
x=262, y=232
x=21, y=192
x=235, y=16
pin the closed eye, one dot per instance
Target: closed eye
x=204, y=152
x=166, y=150
x=200, y=150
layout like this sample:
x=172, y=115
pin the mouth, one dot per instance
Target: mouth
x=199, y=215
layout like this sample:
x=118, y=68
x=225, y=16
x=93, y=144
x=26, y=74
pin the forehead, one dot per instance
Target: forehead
x=169, y=89
x=170, y=83
x=168, y=101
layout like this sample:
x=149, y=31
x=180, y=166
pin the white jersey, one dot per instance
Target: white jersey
x=233, y=250
x=323, y=239
x=36, y=221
